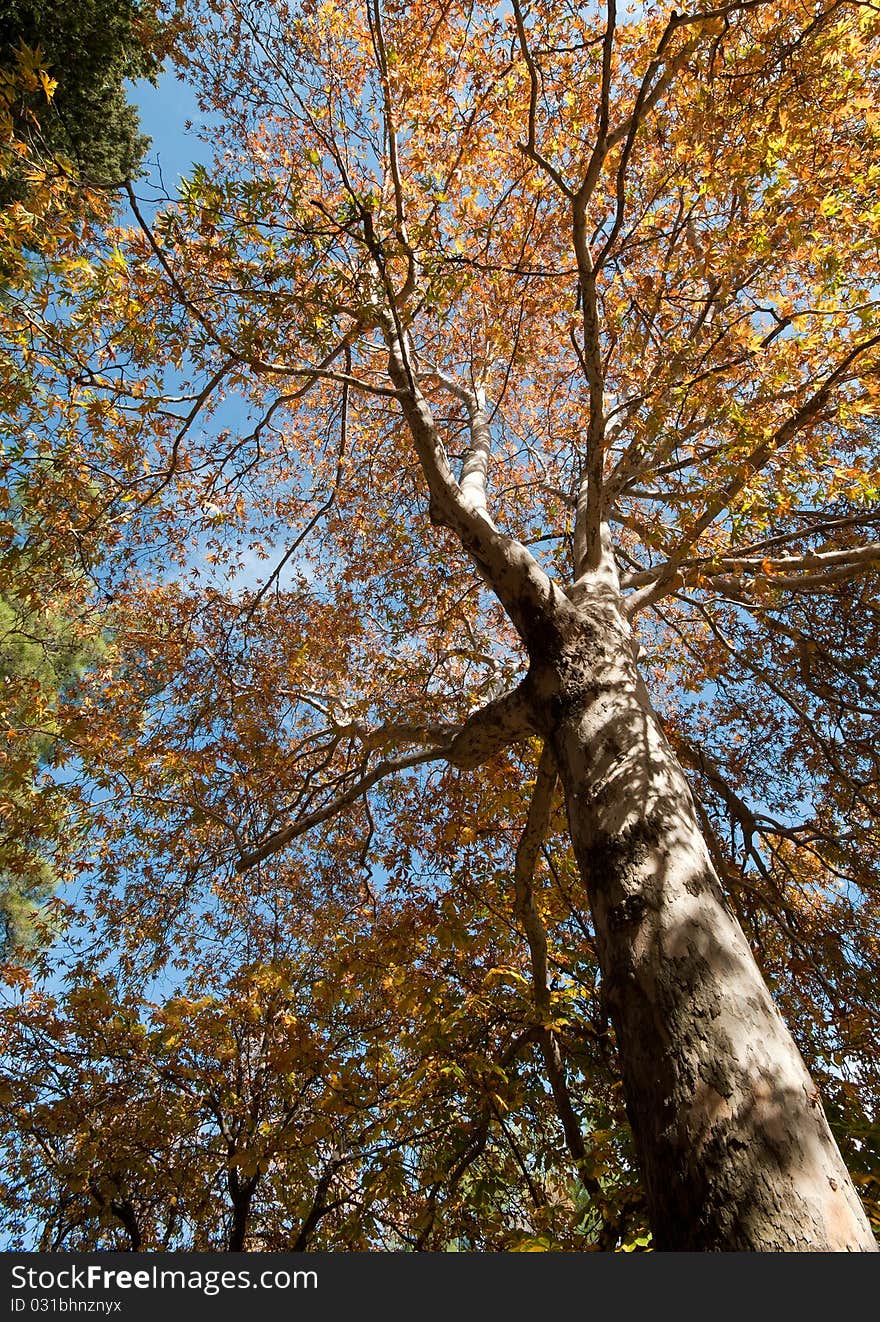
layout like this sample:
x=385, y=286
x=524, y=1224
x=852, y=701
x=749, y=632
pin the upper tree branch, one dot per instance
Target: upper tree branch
x=475, y=464
x=521, y=585
x=374, y=17
x=475, y=461
x=588, y=516
x=666, y=575
x=485, y=733
x=794, y=573
x=530, y=147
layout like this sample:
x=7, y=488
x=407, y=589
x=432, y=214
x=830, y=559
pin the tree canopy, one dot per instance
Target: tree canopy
x=486, y=436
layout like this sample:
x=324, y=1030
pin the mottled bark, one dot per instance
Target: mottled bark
x=735, y=1150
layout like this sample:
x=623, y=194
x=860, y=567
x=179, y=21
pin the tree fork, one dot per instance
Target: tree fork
x=734, y=1146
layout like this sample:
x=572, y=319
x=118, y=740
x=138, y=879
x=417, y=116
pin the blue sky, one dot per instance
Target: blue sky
x=164, y=111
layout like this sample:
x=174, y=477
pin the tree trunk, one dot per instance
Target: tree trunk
x=241, y=1193
x=735, y=1150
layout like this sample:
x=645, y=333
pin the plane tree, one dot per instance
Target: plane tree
x=495, y=414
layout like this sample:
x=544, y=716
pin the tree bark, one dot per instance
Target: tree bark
x=735, y=1149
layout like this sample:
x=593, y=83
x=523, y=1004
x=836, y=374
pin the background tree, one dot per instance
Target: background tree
x=66, y=130
x=521, y=348
x=334, y=1097
x=72, y=113
x=42, y=655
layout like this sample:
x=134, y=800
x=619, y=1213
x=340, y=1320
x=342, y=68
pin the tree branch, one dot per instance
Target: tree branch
x=820, y=568
x=809, y=411
x=528, y=915
x=521, y=585
x=530, y=147
x=485, y=733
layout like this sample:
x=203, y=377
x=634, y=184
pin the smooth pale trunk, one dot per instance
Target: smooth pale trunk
x=735, y=1149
